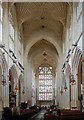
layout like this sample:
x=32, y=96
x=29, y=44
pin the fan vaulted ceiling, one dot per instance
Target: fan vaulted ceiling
x=35, y=15
x=46, y=16
x=43, y=52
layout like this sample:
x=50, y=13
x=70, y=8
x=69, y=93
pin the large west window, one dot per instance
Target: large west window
x=45, y=83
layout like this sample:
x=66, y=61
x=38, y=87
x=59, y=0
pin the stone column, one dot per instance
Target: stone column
x=0, y=91
x=83, y=57
x=28, y=80
x=33, y=88
x=25, y=97
x=5, y=40
x=37, y=87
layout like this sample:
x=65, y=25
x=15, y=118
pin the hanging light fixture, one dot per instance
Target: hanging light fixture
x=65, y=87
x=16, y=88
x=72, y=81
x=4, y=81
x=61, y=91
x=23, y=92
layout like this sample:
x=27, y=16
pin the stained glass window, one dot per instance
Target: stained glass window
x=45, y=83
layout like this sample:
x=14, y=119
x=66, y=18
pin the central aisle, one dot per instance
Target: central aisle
x=39, y=116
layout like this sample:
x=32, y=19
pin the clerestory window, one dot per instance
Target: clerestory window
x=11, y=31
x=1, y=13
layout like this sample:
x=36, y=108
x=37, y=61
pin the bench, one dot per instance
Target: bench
x=71, y=115
x=26, y=113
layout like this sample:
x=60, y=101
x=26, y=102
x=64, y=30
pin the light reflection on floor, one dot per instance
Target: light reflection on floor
x=40, y=116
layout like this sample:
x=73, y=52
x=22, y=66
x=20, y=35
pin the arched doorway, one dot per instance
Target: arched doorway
x=77, y=67
x=80, y=84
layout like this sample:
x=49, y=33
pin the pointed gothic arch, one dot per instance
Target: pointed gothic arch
x=77, y=66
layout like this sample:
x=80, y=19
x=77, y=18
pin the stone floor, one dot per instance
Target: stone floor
x=39, y=116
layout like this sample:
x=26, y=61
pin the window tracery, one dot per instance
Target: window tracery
x=11, y=32
x=1, y=14
x=45, y=83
